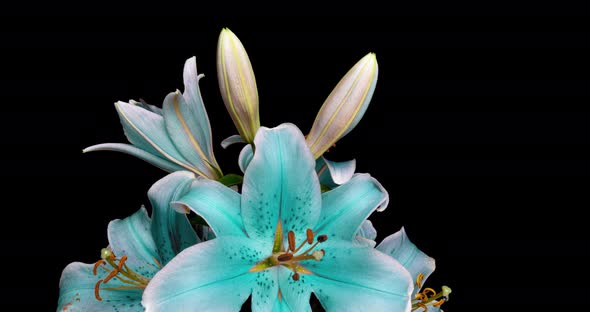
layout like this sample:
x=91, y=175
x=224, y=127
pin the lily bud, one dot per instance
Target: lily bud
x=345, y=106
x=237, y=84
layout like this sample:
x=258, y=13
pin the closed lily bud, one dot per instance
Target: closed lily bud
x=345, y=106
x=237, y=84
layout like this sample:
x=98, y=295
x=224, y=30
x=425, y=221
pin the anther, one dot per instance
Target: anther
x=96, y=265
x=295, y=276
x=285, y=257
x=291, y=238
x=322, y=238
x=96, y=290
x=318, y=254
x=439, y=303
x=309, y=233
x=419, y=279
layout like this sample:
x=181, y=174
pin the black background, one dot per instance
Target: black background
x=478, y=129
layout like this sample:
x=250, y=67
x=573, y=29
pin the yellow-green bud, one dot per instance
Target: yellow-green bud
x=345, y=106
x=237, y=84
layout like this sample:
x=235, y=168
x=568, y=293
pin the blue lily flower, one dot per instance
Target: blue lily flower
x=280, y=240
x=176, y=137
x=138, y=248
x=418, y=264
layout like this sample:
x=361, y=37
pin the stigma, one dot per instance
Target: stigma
x=293, y=254
x=116, y=268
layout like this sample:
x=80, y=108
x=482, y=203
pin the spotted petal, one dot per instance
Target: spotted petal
x=172, y=232
x=132, y=237
x=211, y=276
x=280, y=182
x=76, y=292
x=346, y=207
x=352, y=278
x=295, y=294
x=399, y=246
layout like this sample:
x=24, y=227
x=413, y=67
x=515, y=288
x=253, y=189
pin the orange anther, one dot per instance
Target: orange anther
x=291, y=238
x=96, y=289
x=96, y=265
x=309, y=233
x=439, y=303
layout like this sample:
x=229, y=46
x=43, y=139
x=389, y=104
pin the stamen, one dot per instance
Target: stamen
x=318, y=254
x=439, y=303
x=423, y=306
x=291, y=238
x=322, y=238
x=96, y=265
x=285, y=257
x=296, y=276
x=419, y=279
x=309, y=233
x=96, y=290
x=427, y=290
x=119, y=270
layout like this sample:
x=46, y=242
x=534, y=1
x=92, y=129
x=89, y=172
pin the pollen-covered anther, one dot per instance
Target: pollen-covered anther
x=318, y=254
x=296, y=276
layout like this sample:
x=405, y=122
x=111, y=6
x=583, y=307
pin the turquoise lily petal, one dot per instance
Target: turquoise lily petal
x=245, y=157
x=399, y=246
x=152, y=108
x=129, y=237
x=334, y=173
x=179, y=126
x=359, y=279
x=211, y=276
x=76, y=292
x=366, y=234
x=281, y=306
x=171, y=231
x=132, y=237
x=295, y=294
x=188, y=125
x=280, y=182
x=217, y=204
x=157, y=161
x=236, y=138
x=346, y=207
x=147, y=131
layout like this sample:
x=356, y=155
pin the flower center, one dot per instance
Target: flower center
x=291, y=257
x=117, y=268
x=428, y=296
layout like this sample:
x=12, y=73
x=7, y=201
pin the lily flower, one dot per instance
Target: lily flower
x=345, y=106
x=138, y=248
x=238, y=86
x=282, y=239
x=176, y=137
x=420, y=266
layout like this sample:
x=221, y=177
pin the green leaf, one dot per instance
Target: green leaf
x=231, y=179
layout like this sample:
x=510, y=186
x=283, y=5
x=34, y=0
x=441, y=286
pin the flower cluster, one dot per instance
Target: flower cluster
x=293, y=224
